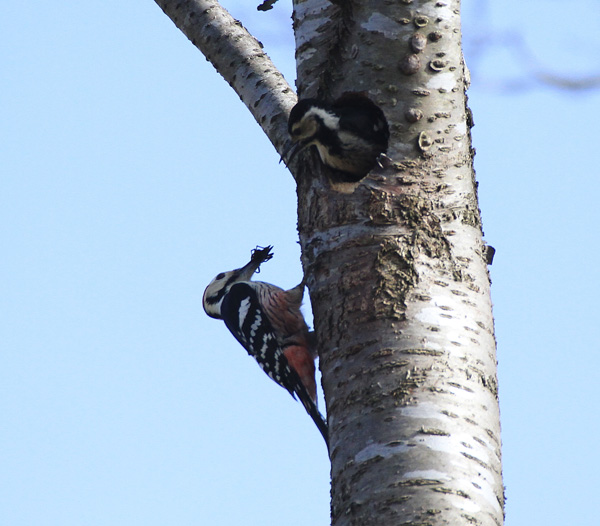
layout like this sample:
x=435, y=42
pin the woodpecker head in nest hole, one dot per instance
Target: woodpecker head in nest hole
x=349, y=134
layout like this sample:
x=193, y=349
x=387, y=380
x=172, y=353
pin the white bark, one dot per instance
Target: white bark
x=240, y=59
x=398, y=277
x=396, y=270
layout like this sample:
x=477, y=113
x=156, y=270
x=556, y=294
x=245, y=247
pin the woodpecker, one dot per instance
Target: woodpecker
x=268, y=323
x=349, y=134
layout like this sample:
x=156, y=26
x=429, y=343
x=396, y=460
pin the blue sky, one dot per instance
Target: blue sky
x=132, y=174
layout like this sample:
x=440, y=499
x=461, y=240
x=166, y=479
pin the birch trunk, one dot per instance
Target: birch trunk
x=396, y=270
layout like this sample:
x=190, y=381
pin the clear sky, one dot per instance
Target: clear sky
x=132, y=174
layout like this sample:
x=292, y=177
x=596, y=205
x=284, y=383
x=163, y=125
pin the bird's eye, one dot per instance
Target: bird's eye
x=221, y=275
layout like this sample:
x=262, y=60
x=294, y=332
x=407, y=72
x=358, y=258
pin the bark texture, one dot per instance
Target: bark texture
x=398, y=277
x=240, y=60
x=397, y=270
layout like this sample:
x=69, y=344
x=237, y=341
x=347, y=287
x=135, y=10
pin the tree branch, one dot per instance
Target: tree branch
x=239, y=59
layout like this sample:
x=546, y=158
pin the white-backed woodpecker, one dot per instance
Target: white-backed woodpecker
x=349, y=134
x=267, y=321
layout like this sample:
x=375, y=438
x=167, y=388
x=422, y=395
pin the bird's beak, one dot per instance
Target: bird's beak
x=291, y=151
x=259, y=256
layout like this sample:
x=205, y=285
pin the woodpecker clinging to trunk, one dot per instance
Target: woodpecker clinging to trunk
x=350, y=134
x=268, y=323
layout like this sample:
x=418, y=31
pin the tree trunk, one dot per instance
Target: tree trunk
x=396, y=270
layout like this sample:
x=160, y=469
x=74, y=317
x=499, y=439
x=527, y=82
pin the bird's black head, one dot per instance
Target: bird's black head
x=300, y=110
x=349, y=134
x=306, y=121
x=308, y=117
